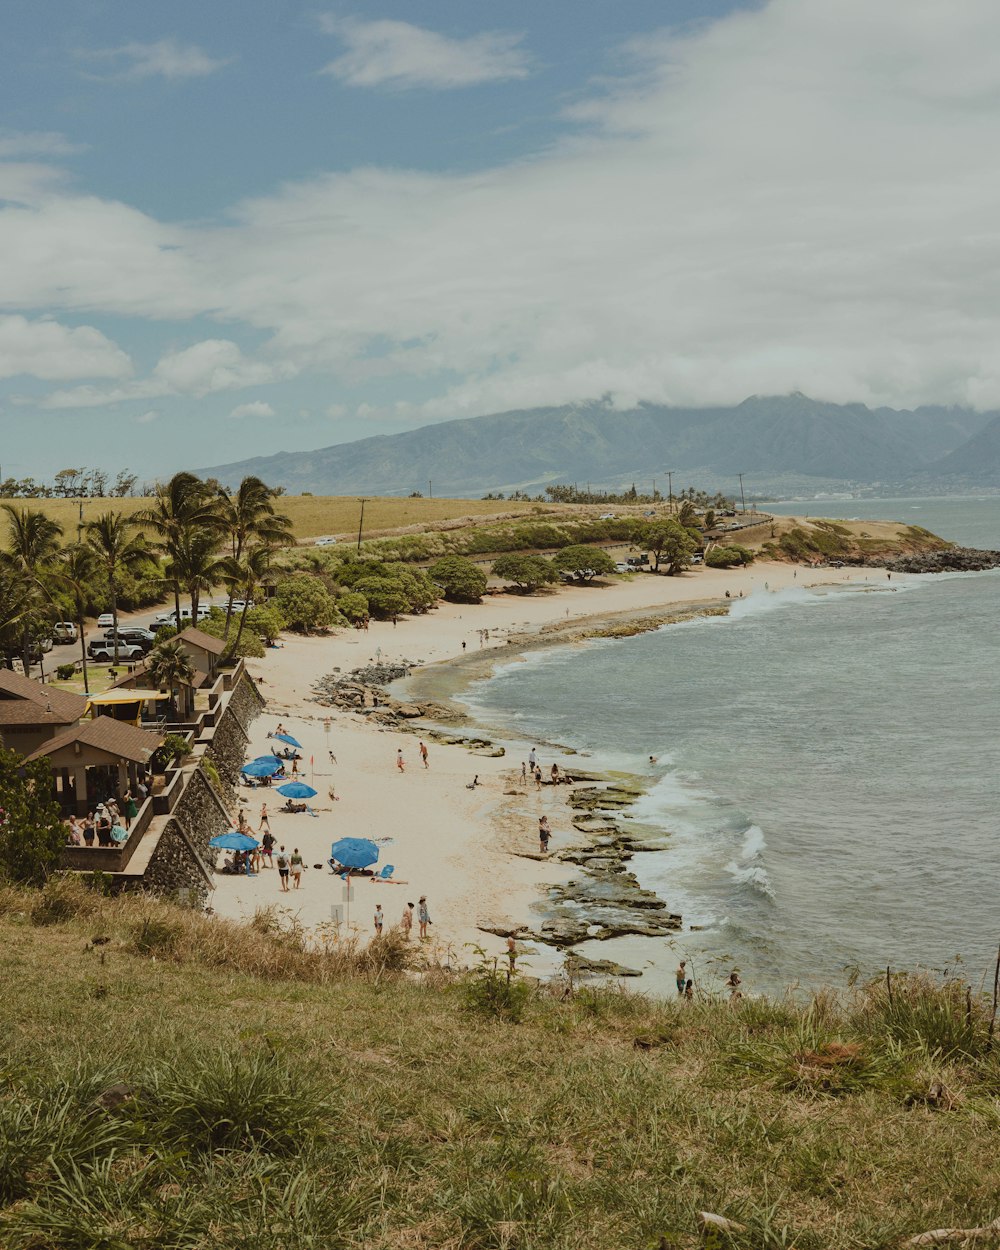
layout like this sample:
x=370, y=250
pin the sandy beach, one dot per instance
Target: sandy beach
x=457, y=846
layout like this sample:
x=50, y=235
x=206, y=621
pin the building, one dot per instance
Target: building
x=31, y=713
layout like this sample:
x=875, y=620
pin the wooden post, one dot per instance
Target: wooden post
x=993, y=1013
x=888, y=984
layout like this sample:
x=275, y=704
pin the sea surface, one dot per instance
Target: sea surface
x=827, y=766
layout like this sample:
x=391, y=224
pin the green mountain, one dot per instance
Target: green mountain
x=773, y=439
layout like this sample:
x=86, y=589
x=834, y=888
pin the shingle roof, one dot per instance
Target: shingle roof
x=198, y=638
x=142, y=668
x=115, y=737
x=27, y=702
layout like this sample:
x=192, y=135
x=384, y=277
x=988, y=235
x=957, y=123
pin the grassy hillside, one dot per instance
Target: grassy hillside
x=313, y=515
x=188, y=1084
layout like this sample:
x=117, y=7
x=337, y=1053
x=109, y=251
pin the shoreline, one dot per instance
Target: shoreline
x=474, y=853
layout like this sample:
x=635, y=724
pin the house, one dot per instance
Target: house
x=96, y=759
x=204, y=650
x=31, y=713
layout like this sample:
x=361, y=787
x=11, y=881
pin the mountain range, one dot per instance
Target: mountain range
x=777, y=442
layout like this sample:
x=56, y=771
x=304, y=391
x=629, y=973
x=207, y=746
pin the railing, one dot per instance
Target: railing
x=166, y=800
x=109, y=858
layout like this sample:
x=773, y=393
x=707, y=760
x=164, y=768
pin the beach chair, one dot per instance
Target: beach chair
x=386, y=873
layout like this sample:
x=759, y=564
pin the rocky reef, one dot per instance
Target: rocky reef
x=950, y=560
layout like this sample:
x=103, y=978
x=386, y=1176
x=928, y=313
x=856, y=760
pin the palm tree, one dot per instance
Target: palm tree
x=249, y=516
x=115, y=550
x=687, y=515
x=170, y=665
x=34, y=543
x=76, y=571
x=244, y=576
x=195, y=563
x=180, y=505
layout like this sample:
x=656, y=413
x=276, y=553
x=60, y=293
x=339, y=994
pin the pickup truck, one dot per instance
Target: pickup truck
x=103, y=651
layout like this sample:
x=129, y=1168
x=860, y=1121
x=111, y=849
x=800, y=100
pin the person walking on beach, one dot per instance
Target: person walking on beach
x=524, y=772
x=267, y=849
x=424, y=917
x=555, y=774
x=681, y=976
x=379, y=919
x=544, y=833
x=263, y=819
x=406, y=921
x=297, y=864
x=281, y=859
x=532, y=759
x=511, y=951
x=423, y=753
x=538, y=777
x=399, y=760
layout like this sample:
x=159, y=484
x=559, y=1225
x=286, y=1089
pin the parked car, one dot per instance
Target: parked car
x=637, y=562
x=622, y=567
x=105, y=621
x=144, y=638
x=697, y=558
x=607, y=516
x=325, y=542
x=237, y=605
x=64, y=632
x=169, y=618
x=103, y=651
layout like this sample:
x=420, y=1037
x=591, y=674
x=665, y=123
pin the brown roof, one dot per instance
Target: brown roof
x=104, y=733
x=141, y=669
x=198, y=638
x=27, y=702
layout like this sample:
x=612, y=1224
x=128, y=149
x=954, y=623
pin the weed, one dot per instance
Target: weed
x=495, y=993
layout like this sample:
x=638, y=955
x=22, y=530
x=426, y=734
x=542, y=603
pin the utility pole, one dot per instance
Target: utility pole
x=742, y=496
x=361, y=523
x=430, y=489
x=670, y=489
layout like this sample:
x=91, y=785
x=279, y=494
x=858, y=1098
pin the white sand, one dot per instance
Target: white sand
x=448, y=842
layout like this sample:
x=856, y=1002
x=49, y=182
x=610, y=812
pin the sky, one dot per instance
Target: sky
x=251, y=226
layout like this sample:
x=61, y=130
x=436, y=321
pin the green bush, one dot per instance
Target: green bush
x=65, y=671
x=32, y=834
x=306, y=604
x=352, y=605
x=527, y=572
x=583, y=561
x=727, y=557
x=460, y=579
x=494, y=992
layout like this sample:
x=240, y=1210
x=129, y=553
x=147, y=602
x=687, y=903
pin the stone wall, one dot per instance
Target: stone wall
x=232, y=729
x=176, y=866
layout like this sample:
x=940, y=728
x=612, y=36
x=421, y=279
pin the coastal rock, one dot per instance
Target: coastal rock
x=409, y=710
x=951, y=560
x=602, y=967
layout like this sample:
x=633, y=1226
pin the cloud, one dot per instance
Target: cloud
x=147, y=418
x=164, y=58
x=54, y=352
x=42, y=143
x=397, y=54
x=793, y=197
x=256, y=408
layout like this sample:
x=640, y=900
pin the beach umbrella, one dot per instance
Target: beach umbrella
x=297, y=790
x=292, y=742
x=354, y=852
x=262, y=768
x=234, y=841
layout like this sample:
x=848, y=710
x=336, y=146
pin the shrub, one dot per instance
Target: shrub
x=583, y=561
x=490, y=991
x=306, y=604
x=32, y=833
x=173, y=749
x=727, y=557
x=460, y=579
x=528, y=573
x=65, y=671
x=352, y=605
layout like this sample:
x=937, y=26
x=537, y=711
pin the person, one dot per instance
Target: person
x=143, y=790
x=88, y=829
x=681, y=976
x=544, y=833
x=423, y=916
x=379, y=919
x=264, y=819
x=406, y=920
x=131, y=811
x=278, y=772
x=652, y=759
x=267, y=848
x=282, y=861
x=555, y=774
x=333, y=758
x=295, y=766
x=103, y=823
x=279, y=730
x=293, y=807
x=296, y=864
x=538, y=777
x=75, y=834
x=399, y=760
x=733, y=986
x=463, y=644
x=473, y=783
x=511, y=951
x=423, y=753
x=524, y=771
x=532, y=759
x=689, y=990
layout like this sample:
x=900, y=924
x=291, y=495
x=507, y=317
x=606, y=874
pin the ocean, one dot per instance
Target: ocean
x=827, y=766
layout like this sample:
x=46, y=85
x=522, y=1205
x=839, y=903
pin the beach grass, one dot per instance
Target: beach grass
x=188, y=1082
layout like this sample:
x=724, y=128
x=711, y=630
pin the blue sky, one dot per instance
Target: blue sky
x=229, y=228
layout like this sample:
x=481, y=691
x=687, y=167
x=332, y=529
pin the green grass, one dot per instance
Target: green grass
x=206, y=1086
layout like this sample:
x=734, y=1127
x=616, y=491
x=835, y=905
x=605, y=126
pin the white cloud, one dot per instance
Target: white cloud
x=54, y=352
x=397, y=54
x=164, y=58
x=256, y=408
x=797, y=196
x=147, y=418
x=44, y=143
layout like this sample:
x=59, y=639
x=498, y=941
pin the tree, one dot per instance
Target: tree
x=33, y=545
x=243, y=576
x=710, y=519
x=671, y=544
x=115, y=549
x=384, y=595
x=528, y=573
x=460, y=579
x=195, y=562
x=352, y=605
x=179, y=506
x=305, y=603
x=169, y=664
x=584, y=562
x=686, y=514
x=124, y=484
x=75, y=574
x=32, y=834
x=247, y=516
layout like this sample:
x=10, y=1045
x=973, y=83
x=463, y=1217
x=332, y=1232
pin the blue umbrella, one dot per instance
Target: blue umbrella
x=297, y=790
x=262, y=768
x=234, y=841
x=354, y=852
x=292, y=742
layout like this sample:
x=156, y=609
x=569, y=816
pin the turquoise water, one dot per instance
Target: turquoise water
x=827, y=765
